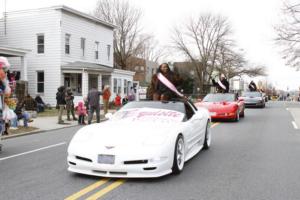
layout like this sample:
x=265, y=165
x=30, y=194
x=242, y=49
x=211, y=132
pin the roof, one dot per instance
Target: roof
x=12, y=52
x=84, y=15
x=69, y=10
x=78, y=65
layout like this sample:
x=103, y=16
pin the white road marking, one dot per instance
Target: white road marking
x=32, y=151
x=287, y=108
x=295, y=125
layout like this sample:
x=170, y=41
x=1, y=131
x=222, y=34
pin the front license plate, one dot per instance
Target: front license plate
x=106, y=159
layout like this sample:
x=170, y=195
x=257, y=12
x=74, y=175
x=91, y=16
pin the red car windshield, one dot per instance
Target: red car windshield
x=219, y=97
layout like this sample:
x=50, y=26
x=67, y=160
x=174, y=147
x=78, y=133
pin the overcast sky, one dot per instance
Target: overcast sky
x=252, y=22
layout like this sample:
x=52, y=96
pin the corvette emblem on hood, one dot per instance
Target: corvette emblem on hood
x=109, y=147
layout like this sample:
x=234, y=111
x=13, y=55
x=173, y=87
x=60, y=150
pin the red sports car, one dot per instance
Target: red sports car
x=223, y=106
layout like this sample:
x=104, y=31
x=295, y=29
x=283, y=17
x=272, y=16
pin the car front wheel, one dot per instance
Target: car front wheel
x=207, y=138
x=237, y=116
x=179, y=155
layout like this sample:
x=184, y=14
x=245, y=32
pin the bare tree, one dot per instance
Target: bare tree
x=233, y=63
x=288, y=33
x=127, y=36
x=199, y=40
x=151, y=50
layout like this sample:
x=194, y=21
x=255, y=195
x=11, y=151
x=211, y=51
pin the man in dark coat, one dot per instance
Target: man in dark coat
x=61, y=102
x=69, y=97
x=252, y=86
x=222, y=85
x=93, y=99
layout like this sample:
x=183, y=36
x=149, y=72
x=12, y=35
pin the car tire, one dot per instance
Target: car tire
x=242, y=113
x=237, y=116
x=207, y=137
x=179, y=155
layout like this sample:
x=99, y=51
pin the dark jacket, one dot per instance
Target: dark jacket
x=39, y=100
x=18, y=111
x=94, y=97
x=252, y=86
x=158, y=87
x=220, y=89
x=60, y=96
x=69, y=99
x=29, y=103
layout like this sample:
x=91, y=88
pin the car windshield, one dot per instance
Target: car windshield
x=169, y=105
x=219, y=97
x=154, y=111
x=251, y=94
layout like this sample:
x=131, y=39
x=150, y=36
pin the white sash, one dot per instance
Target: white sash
x=221, y=85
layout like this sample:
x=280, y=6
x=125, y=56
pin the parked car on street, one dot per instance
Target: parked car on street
x=142, y=139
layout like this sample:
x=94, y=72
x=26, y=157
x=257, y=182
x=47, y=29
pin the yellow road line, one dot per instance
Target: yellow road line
x=87, y=189
x=214, y=124
x=106, y=189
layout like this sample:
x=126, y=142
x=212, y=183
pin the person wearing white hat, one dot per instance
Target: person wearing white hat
x=222, y=85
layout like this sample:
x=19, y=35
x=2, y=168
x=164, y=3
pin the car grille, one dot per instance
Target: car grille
x=134, y=162
x=83, y=158
x=149, y=168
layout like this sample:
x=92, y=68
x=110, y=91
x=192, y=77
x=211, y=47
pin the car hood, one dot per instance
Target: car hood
x=124, y=133
x=217, y=106
x=252, y=98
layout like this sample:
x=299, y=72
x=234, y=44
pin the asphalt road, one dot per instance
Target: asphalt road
x=257, y=158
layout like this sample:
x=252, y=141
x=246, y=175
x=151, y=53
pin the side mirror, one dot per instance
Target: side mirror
x=108, y=115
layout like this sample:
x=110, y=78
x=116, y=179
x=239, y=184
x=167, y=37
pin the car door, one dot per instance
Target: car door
x=240, y=104
x=194, y=125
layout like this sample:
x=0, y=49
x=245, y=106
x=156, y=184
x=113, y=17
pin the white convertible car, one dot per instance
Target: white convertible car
x=143, y=139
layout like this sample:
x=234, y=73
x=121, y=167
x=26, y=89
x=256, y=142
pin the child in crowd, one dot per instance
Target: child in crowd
x=81, y=112
x=118, y=101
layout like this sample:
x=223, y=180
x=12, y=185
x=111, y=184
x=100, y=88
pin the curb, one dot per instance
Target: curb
x=40, y=131
x=34, y=132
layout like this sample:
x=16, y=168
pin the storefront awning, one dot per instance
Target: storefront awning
x=86, y=66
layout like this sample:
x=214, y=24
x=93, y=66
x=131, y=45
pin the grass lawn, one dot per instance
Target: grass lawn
x=21, y=129
x=49, y=113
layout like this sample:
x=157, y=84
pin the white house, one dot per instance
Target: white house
x=66, y=47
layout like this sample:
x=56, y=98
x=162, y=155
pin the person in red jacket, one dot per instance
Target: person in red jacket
x=106, y=96
x=118, y=101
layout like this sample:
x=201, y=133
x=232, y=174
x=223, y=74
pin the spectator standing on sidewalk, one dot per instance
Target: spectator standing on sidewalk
x=106, y=96
x=125, y=100
x=61, y=102
x=118, y=101
x=69, y=97
x=81, y=112
x=94, y=104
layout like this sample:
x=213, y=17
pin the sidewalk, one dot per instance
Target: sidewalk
x=42, y=124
